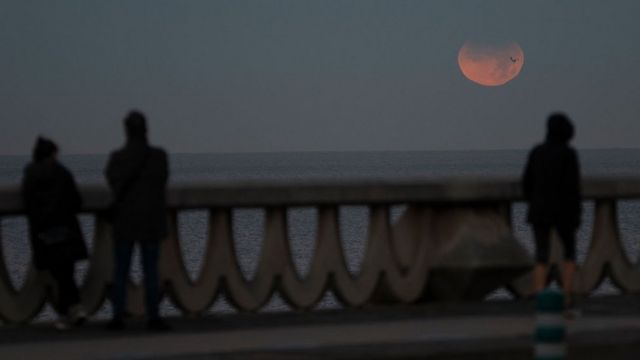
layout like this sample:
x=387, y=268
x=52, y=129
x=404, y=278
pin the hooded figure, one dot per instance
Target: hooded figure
x=51, y=201
x=551, y=181
x=551, y=187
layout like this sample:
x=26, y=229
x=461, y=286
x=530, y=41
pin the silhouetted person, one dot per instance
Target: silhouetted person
x=52, y=200
x=137, y=175
x=551, y=186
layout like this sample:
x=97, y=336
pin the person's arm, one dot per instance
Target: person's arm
x=573, y=174
x=527, y=178
x=74, y=195
x=113, y=174
x=27, y=190
x=164, y=168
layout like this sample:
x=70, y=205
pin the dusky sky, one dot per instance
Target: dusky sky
x=237, y=76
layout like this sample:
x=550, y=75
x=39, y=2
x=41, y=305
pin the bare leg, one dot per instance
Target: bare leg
x=568, y=273
x=539, y=277
x=542, y=236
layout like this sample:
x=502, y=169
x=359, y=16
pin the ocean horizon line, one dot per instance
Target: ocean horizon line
x=63, y=154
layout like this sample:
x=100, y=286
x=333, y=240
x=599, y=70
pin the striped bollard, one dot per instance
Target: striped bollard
x=550, y=326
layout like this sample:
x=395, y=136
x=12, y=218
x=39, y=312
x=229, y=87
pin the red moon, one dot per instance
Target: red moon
x=490, y=64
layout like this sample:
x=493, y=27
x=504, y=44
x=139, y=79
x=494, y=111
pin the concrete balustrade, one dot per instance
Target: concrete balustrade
x=453, y=241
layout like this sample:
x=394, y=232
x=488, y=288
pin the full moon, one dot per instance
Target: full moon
x=490, y=64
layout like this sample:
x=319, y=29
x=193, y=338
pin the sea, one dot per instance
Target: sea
x=248, y=223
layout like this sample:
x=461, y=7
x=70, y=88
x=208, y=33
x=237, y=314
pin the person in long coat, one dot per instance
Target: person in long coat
x=137, y=175
x=52, y=200
x=551, y=186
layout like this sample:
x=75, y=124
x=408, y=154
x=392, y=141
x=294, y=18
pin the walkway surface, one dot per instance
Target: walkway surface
x=608, y=329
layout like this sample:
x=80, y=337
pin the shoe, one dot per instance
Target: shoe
x=62, y=324
x=571, y=310
x=116, y=324
x=572, y=313
x=158, y=325
x=78, y=315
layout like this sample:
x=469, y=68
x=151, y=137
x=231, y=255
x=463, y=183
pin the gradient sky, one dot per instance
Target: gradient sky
x=235, y=76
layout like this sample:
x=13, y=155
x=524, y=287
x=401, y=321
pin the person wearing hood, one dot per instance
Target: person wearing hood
x=551, y=187
x=137, y=175
x=51, y=201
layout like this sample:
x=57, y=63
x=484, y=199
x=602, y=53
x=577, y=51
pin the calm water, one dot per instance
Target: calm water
x=248, y=223
x=340, y=165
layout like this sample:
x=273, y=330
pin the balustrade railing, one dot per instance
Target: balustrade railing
x=454, y=240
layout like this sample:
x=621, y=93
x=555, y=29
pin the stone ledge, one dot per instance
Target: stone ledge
x=366, y=191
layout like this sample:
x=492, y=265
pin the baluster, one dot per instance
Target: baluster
x=407, y=279
x=245, y=295
x=328, y=260
x=603, y=242
x=100, y=272
x=623, y=273
x=192, y=298
x=17, y=306
x=356, y=290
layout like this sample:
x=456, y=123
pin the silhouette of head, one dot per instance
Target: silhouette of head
x=135, y=125
x=44, y=149
x=559, y=128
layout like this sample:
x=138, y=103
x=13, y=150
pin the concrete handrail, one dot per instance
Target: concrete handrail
x=295, y=193
x=453, y=241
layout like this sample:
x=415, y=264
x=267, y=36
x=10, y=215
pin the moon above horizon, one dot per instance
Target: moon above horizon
x=490, y=64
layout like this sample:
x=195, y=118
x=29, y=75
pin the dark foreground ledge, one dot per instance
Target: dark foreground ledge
x=609, y=329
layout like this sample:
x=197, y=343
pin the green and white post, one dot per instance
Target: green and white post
x=550, y=332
